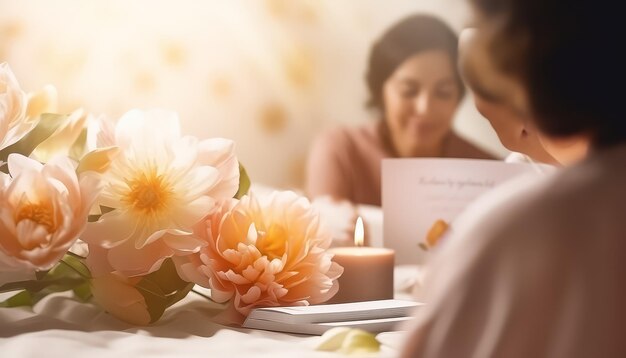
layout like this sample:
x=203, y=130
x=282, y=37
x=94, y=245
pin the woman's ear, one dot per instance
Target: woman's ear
x=529, y=140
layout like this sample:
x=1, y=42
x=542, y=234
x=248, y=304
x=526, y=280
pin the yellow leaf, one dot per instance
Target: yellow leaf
x=348, y=341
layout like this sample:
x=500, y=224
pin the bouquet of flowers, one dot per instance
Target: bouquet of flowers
x=132, y=214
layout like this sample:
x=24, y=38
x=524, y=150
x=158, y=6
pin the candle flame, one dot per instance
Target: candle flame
x=359, y=235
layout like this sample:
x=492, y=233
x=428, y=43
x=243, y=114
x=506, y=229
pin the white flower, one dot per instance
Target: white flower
x=159, y=185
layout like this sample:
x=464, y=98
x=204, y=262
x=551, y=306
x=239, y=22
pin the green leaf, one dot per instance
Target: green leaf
x=48, y=124
x=32, y=286
x=41, y=274
x=23, y=298
x=244, y=182
x=41, y=288
x=83, y=291
x=80, y=144
x=69, y=274
x=180, y=294
x=155, y=298
x=166, y=278
x=77, y=265
x=163, y=288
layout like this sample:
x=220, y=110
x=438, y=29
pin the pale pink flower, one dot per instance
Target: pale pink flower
x=159, y=185
x=43, y=210
x=264, y=255
x=14, y=123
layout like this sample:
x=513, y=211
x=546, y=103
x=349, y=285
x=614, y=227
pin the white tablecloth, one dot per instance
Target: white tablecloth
x=60, y=326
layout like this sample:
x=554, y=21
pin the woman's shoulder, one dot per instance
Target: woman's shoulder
x=540, y=211
x=459, y=147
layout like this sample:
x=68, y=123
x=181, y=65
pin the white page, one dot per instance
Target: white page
x=416, y=192
x=372, y=325
x=336, y=312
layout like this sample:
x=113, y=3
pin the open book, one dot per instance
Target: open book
x=372, y=316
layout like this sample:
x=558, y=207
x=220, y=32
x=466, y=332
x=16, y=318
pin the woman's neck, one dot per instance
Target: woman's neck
x=567, y=151
x=436, y=150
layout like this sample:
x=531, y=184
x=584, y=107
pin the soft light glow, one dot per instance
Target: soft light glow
x=359, y=232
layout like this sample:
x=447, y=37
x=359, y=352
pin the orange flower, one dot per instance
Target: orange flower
x=263, y=255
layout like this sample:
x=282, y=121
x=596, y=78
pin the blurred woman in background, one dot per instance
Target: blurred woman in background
x=414, y=84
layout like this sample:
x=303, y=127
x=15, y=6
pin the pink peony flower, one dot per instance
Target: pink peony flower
x=270, y=255
x=43, y=210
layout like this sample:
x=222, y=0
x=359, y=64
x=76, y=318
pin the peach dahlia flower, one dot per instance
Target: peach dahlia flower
x=264, y=255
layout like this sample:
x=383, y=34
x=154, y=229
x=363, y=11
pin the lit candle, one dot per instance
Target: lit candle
x=368, y=271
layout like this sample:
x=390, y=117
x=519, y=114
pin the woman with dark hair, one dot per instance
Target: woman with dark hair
x=515, y=130
x=414, y=84
x=536, y=269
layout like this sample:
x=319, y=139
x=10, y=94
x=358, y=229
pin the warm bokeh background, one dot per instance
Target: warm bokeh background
x=269, y=74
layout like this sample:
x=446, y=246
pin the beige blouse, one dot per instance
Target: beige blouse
x=534, y=269
x=346, y=162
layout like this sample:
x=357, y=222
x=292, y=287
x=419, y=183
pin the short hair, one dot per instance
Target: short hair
x=410, y=36
x=567, y=54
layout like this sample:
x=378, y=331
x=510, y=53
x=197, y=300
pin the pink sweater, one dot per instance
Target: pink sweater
x=345, y=162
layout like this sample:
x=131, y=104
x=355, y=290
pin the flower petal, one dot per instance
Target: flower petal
x=18, y=163
x=111, y=229
x=130, y=261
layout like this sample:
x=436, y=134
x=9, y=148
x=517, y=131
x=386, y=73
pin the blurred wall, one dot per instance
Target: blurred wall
x=269, y=74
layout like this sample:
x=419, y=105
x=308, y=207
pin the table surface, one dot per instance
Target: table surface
x=59, y=326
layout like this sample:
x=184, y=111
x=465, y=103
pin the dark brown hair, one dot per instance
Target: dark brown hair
x=407, y=38
x=566, y=53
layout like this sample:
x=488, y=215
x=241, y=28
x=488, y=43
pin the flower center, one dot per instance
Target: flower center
x=41, y=214
x=272, y=243
x=149, y=193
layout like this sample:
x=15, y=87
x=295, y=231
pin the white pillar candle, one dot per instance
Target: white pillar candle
x=368, y=271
